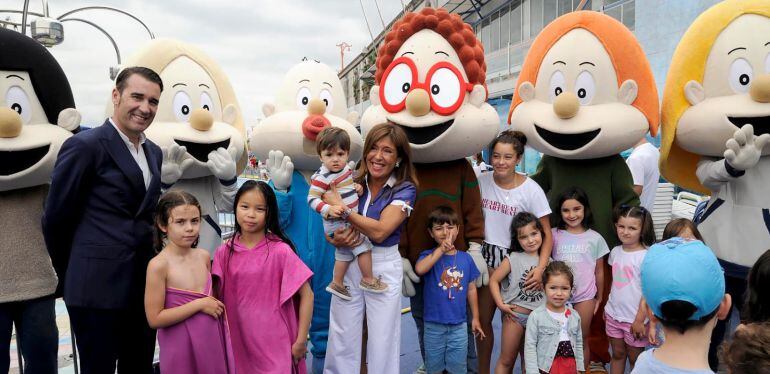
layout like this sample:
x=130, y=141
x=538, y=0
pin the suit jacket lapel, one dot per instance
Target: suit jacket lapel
x=152, y=161
x=117, y=149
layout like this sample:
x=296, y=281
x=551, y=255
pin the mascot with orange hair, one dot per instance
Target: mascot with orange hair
x=585, y=93
x=430, y=81
x=716, y=130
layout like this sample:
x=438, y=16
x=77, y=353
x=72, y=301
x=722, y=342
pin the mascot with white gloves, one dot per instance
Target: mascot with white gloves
x=430, y=81
x=585, y=93
x=716, y=134
x=310, y=99
x=199, y=128
x=36, y=116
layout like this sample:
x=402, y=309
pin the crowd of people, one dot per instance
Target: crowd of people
x=250, y=309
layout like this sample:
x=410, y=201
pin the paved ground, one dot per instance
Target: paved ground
x=410, y=349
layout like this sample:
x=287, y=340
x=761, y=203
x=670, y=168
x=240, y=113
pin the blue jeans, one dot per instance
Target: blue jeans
x=417, y=304
x=36, y=334
x=445, y=348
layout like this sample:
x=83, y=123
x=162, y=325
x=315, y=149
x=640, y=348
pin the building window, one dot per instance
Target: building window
x=535, y=17
x=485, y=36
x=494, y=43
x=505, y=25
x=515, y=21
x=623, y=11
x=550, y=11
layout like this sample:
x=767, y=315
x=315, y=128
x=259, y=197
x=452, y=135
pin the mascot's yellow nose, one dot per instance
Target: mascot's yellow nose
x=760, y=89
x=566, y=105
x=418, y=102
x=10, y=123
x=316, y=106
x=201, y=119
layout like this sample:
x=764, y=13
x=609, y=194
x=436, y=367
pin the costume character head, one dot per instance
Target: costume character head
x=198, y=108
x=309, y=100
x=585, y=90
x=431, y=81
x=37, y=111
x=718, y=81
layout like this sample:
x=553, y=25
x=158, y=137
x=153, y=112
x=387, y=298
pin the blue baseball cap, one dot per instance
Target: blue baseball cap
x=685, y=270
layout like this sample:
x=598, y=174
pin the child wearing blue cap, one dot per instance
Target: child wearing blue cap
x=684, y=287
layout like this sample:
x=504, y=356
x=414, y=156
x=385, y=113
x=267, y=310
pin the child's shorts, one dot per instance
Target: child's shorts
x=622, y=330
x=346, y=254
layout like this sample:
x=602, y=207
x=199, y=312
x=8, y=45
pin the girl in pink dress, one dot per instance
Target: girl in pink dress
x=265, y=287
x=192, y=332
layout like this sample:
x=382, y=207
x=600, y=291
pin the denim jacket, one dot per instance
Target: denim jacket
x=542, y=340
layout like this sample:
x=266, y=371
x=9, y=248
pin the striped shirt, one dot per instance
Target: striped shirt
x=321, y=181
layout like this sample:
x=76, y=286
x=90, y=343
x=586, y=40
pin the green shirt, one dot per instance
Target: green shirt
x=607, y=181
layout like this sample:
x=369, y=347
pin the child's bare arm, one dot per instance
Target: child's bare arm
x=497, y=276
x=637, y=327
x=299, y=348
x=155, y=298
x=599, y=273
x=426, y=263
x=473, y=301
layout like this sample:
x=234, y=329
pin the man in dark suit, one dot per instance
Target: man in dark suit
x=98, y=228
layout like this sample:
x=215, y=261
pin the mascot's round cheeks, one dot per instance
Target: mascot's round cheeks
x=577, y=102
x=735, y=90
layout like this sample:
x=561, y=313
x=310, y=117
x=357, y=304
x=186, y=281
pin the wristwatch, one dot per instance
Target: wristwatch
x=346, y=213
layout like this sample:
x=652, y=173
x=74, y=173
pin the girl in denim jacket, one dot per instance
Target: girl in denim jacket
x=553, y=342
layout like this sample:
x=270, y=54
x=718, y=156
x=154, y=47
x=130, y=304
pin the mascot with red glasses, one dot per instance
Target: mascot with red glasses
x=431, y=81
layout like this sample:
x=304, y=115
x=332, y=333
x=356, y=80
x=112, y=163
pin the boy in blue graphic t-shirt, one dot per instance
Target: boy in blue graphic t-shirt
x=448, y=276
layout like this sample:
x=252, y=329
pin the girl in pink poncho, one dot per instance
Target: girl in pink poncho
x=192, y=331
x=264, y=286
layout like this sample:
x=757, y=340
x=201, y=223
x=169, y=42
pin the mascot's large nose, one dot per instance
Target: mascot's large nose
x=418, y=102
x=760, y=89
x=315, y=121
x=201, y=119
x=566, y=105
x=10, y=123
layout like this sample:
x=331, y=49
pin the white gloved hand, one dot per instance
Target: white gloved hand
x=474, y=249
x=410, y=278
x=174, y=163
x=221, y=164
x=280, y=169
x=744, y=149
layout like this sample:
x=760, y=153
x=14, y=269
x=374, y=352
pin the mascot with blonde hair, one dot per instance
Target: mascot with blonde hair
x=199, y=128
x=585, y=93
x=430, y=81
x=716, y=130
x=37, y=114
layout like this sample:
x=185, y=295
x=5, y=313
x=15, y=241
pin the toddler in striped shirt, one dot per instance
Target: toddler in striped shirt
x=333, y=146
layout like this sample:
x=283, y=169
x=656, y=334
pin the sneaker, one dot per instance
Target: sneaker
x=421, y=370
x=377, y=286
x=340, y=291
x=596, y=367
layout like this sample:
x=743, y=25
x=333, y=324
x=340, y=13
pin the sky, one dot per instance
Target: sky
x=254, y=41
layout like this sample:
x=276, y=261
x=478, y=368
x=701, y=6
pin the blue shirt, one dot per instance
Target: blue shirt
x=445, y=287
x=402, y=194
x=646, y=363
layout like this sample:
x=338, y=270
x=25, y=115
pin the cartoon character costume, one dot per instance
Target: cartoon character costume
x=716, y=127
x=309, y=100
x=430, y=81
x=586, y=93
x=199, y=128
x=36, y=117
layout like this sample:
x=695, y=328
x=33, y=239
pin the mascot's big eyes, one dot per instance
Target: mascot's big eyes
x=585, y=88
x=326, y=96
x=444, y=87
x=556, y=87
x=182, y=106
x=397, y=84
x=303, y=98
x=740, y=76
x=206, y=102
x=17, y=100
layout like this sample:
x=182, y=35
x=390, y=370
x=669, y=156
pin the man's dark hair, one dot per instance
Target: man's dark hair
x=146, y=73
x=676, y=315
